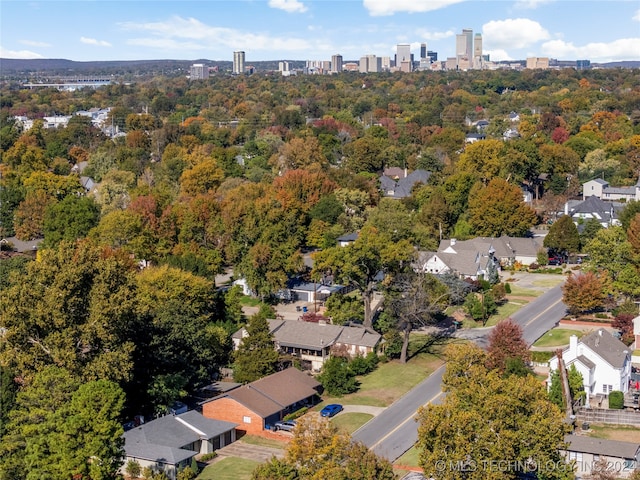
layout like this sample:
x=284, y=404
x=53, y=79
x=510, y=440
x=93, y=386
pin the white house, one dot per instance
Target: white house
x=600, y=188
x=603, y=360
x=585, y=451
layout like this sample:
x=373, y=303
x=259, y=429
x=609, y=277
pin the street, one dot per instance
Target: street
x=395, y=430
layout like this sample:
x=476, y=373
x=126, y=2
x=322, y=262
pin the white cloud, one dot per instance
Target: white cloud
x=636, y=17
x=498, y=55
x=429, y=35
x=179, y=33
x=93, y=41
x=291, y=6
x=621, y=49
x=531, y=4
x=32, y=43
x=513, y=33
x=379, y=8
x=21, y=54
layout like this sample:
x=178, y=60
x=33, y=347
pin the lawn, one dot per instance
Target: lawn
x=391, y=380
x=409, y=459
x=556, y=337
x=517, y=291
x=231, y=468
x=247, y=301
x=264, y=442
x=625, y=434
x=350, y=422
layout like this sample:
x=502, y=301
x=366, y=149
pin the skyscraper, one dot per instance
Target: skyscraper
x=336, y=63
x=477, y=51
x=464, y=49
x=403, y=57
x=423, y=51
x=238, y=62
x=198, y=72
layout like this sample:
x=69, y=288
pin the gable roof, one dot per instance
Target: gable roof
x=163, y=439
x=273, y=393
x=402, y=188
x=607, y=211
x=612, y=350
x=602, y=446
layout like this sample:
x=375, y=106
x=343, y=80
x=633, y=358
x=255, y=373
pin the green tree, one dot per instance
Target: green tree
x=555, y=390
x=563, y=236
x=8, y=390
x=337, y=378
x=133, y=469
x=343, y=309
x=499, y=209
x=480, y=306
x=576, y=384
x=361, y=262
x=256, y=356
x=69, y=219
x=486, y=417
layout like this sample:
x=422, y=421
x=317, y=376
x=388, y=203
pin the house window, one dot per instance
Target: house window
x=246, y=419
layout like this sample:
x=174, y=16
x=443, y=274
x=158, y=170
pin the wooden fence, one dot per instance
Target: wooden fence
x=605, y=415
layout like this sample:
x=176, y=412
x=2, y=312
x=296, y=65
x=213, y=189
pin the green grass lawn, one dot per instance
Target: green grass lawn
x=231, y=468
x=548, y=282
x=523, y=292
x=391, y=380
x=556, y=337
x=247, y=301
x=264, y=442
x=409, y=459
x=350, y=422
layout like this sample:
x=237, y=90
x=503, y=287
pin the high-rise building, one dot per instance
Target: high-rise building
x=537, y=62
x=370, y=64
x=403, y=57
x=336, y=63
x=477, y=51
x=464, y=49
x=198, y=72
x=423, y=51
x=583, y=64
x=467, y=32
x=433, y=56
x=238, y=62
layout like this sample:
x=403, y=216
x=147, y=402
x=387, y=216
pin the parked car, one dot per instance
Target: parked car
x=331, y=410
x=286, y=425
x=555, y=261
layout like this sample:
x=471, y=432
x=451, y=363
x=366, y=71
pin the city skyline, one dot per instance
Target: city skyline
x=601, y=31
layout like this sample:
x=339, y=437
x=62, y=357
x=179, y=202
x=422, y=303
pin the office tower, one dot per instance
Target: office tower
x=464, y=49
x=433, y=56
x=198, y=72
x=403, y=57
x=468, y=33
x=370, y=64
x=583, y=64
x=477, y=51
x=423, y=51
x=537, y=62
x=336, y=63
x=238, y=63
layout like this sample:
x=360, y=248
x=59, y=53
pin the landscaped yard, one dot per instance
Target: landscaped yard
x=557, y=337
x=391, y=380
x=350, y=422
x=231, y=468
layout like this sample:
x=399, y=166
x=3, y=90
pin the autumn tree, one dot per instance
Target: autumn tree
x=415, y=300
x=563, y=236
x=256, y=356
x=499, y=209
x=583, y=292
x=487, y=417
x=506, y=344
x=319, y=450
x=361, y=263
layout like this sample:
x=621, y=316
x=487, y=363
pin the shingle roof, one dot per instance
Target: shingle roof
x=607, y=346
x=402, y=188
x=602, y=446
x=585, y=361
x=163, y=439
x=274, y=393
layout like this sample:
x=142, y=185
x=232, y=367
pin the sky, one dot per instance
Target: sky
x=94, y=30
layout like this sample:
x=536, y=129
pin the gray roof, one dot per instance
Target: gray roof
x=602, y=446
x=585, y=361
x=348, y=237
x=402, y=188
x=163, y=439
x=607, y=211
x=612, y=350
x=620, y=190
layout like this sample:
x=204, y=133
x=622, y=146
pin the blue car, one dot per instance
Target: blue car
x=331, y=410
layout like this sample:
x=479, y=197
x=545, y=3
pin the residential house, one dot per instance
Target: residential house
x=474, y=137
x=169, y=443
x=600, y=188
x=607, y=213
x=473, y=258
x=258, y=405
x=603, y=360
x=585, y=451
x=397, y=186
x=347, y=239
x=312, y=342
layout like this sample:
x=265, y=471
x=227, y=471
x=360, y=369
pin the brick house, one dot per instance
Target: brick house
x=259, y=404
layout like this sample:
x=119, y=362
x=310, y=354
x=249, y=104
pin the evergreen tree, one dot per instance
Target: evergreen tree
x=256, y=357
x=555, y=390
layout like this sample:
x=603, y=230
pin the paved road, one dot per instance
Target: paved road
x=395, y=430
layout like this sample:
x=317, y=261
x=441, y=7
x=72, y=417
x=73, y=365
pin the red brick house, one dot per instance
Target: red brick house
x=262, y=403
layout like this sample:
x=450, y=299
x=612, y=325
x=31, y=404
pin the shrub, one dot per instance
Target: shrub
x=616, y=400
x=296, y=414
x=601, y=315
x=507, y=288
x=359, y=365
x=208, y=456
x=541, y=357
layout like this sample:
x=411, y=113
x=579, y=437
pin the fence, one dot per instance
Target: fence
x=605, y=415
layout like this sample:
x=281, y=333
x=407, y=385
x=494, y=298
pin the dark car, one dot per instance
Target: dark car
x=555, y=261
x=286, y=425
x=331, y=410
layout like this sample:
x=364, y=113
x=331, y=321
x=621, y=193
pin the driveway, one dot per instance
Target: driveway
x=375, y=411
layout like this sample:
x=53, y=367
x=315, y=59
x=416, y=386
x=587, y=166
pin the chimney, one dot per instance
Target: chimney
x=573, y=343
